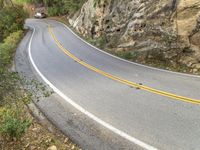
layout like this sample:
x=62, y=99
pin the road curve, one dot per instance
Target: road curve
x=150, y=107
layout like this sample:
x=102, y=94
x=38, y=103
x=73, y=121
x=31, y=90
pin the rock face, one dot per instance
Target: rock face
x=161, y=31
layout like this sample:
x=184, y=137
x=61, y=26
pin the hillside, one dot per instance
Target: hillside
x=162, y=33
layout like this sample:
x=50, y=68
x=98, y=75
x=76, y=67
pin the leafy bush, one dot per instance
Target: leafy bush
x=60, y=7
x=101, y=42
x=7, y=48
x=11, y=20
x=21, y=2
x=8, y=80
x=53, y=11
x=11, y=125
x=125, y=55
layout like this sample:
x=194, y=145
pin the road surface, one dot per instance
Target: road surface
x=151, y=108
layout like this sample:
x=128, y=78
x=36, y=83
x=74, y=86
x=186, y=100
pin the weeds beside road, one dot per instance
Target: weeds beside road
x=18, y=128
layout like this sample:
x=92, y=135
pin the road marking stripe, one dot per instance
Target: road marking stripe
x=84, y=111
x=113, y=77
x=141, y=65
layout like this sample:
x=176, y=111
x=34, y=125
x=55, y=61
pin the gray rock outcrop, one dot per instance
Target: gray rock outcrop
x=165, y=32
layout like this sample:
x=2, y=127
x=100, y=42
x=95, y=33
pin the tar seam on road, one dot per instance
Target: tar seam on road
x=84, y=111
x=113, y=77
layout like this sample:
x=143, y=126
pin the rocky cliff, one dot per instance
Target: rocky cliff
x=161, y=32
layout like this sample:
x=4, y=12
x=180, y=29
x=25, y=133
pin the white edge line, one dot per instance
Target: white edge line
x=81, y=109
x=153, y=68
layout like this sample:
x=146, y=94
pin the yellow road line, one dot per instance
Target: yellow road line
x=113, y=77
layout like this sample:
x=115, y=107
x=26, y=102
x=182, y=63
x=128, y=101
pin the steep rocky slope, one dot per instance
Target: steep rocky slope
x=161, y=32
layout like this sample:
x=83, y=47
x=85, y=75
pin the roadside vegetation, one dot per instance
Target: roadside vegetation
x=12, y=126
x=57, y=7
x=18, y=128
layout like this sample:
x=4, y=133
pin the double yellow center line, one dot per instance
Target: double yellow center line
x=121, y=80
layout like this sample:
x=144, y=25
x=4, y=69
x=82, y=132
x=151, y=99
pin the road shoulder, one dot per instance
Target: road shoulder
x=72, y=123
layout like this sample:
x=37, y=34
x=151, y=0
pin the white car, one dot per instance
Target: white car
x=40, y=15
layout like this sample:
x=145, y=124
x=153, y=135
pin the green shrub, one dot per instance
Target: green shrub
x=53, y=11
x=135, y=55
x=101, y=42
x=8, y=80
x=21, y=2
x=7, y=48
x=11, y=125
x=125, y=55
x=57, y=7
x=11, y=20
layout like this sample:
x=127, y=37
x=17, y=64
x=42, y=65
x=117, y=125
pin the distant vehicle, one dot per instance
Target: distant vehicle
x=40, y=15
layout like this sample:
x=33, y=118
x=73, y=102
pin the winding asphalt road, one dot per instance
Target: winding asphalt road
x=152, y=108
